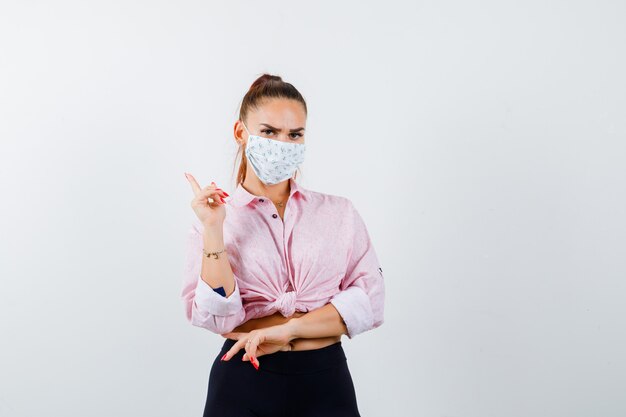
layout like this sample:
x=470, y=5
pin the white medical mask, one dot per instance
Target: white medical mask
x=273, y=160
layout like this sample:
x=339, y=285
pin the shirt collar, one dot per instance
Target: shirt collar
x=242, y=197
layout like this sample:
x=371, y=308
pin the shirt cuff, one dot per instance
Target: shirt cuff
x=210, y=302
x=354, y=307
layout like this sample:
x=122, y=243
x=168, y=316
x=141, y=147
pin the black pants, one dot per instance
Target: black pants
x=301, y=383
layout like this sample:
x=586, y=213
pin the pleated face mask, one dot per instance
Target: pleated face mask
x=273, y=160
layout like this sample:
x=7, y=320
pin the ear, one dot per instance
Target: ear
x=239, y=133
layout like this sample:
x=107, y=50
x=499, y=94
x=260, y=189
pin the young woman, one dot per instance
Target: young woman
x=280, y=271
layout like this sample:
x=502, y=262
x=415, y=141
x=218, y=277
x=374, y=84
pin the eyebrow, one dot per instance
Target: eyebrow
x=275, y=128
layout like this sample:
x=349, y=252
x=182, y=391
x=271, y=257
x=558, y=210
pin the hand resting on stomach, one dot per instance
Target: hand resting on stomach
x=277, y=319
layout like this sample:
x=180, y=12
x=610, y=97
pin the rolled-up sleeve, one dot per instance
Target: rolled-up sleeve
x=203, y=306
x=361, y=300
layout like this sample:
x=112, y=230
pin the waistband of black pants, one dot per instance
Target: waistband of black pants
x=294, y=361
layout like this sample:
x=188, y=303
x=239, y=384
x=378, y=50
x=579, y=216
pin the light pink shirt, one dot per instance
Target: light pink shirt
x=321, y=253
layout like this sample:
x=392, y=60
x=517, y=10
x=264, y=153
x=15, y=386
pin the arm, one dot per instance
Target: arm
x=359, y=306
x=321, y=322
x=204, y=306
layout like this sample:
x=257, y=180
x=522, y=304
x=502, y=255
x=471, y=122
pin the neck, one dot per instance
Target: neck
x=276, y=192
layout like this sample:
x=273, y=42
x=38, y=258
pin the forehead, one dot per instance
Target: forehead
x=279, y=113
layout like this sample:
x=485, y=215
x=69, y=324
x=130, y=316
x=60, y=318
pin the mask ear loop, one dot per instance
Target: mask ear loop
x=245, y=127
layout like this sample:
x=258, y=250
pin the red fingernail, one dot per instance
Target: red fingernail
x=222, y=200
x=225, y=193
x=224, y=356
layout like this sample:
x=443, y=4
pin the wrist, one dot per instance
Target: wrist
x=293, y=328
x=213, y=237
x=213, y=227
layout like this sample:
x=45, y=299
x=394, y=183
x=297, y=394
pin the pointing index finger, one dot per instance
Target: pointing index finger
x=195, y=187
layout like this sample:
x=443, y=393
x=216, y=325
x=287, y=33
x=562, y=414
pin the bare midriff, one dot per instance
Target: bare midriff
x=296, y=344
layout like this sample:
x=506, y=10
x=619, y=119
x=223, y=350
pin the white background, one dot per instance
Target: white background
x=483, y=143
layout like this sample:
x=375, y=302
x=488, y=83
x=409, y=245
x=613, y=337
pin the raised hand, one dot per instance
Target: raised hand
x=211, y=213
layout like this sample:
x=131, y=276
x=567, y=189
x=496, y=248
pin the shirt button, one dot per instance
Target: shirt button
x=261, y=200
x=274, y=215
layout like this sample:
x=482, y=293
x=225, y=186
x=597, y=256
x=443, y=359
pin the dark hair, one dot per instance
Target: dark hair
x=265, y=87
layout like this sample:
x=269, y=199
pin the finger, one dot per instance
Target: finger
x=251, y=349
x=234, y=335
x=195, y=187
x=219, y=190
x=259, y=352
x=208, y=190
x=213, y=185
x=234, y=349
x=203, y=200
x=212, y=193
x=246, y=355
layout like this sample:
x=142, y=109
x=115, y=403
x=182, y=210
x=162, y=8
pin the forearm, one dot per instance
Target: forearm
x=322, y=322
x=216, y=272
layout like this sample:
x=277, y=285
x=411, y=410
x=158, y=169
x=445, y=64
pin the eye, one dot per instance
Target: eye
x=266, y=130
x=298, y=135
